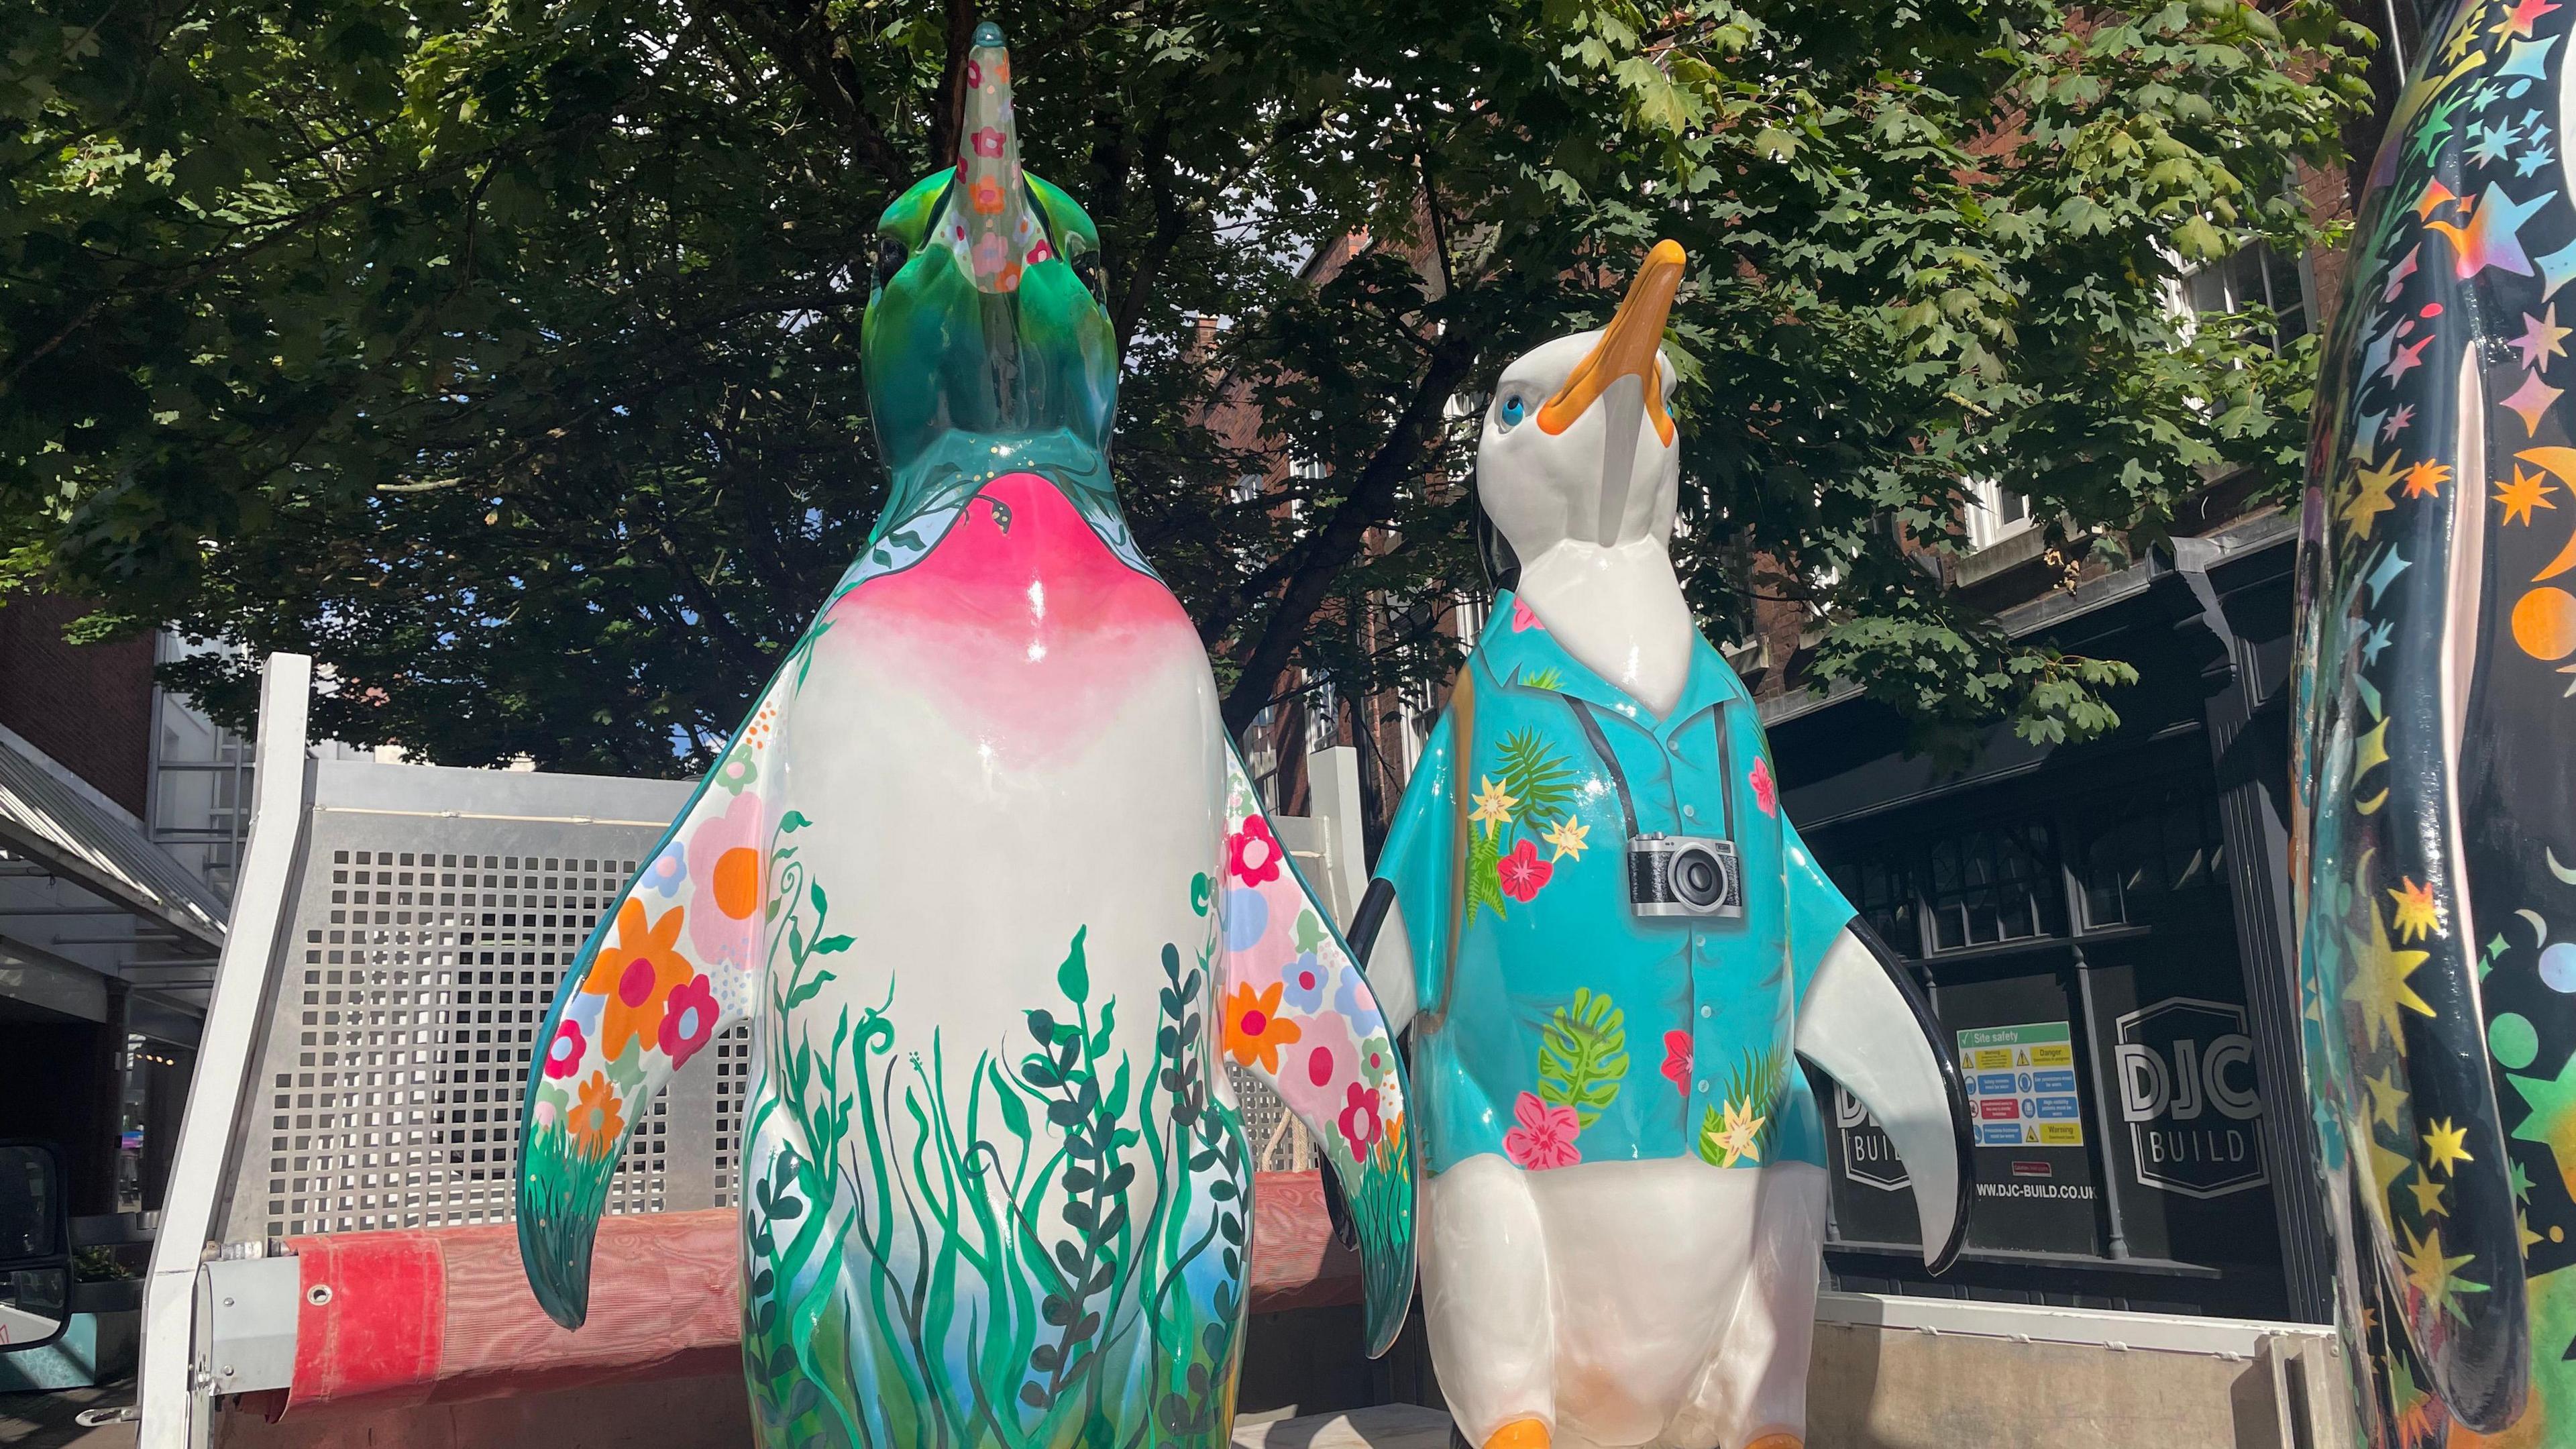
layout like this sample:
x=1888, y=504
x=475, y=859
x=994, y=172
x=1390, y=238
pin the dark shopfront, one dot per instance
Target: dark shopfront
x=2101, y=931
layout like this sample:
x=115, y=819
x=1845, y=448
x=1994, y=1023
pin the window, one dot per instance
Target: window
x=1993, y=515
x=1990, y=887
x=2153, y=852
x=2254, y=276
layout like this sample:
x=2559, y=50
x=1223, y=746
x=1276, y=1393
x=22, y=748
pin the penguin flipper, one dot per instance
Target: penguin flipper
x=673, y=963
x=1864, y=1022
x=1294, y=1006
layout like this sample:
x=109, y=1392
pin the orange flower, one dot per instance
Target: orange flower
x=636, y=972
x=596, y=1120
x=1253, y=1030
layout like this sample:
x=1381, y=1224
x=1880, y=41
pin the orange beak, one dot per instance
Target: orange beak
x=1627, y=348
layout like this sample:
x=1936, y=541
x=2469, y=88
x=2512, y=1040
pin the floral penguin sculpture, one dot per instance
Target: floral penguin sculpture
x=1610, y=944
x=981, y=867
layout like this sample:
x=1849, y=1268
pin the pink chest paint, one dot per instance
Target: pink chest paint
x=1021, y=624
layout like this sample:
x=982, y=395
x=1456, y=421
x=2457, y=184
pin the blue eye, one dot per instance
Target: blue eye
x=1513, y=410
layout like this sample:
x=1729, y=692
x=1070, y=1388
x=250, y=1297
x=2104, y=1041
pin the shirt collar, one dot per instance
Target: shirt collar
x=1517, y=651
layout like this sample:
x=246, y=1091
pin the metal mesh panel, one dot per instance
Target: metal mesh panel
x=431, y=927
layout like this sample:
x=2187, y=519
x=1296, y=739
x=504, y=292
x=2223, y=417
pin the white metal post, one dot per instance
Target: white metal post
x=175, y=1414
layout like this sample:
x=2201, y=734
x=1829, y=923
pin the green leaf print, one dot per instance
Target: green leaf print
x=1074, y=976
x=1537, y=778
x=1583, y=1055
x=1484, y=887
x=1548, y=678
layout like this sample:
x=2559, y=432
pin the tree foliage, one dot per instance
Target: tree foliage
x=504, y=354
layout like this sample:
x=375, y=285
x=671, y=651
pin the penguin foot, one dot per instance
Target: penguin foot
x=1519, y=1434
x=1778, y=1441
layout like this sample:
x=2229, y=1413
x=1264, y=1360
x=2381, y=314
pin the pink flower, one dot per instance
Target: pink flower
x=688, y=1021
x=988, y=142
x=1545, y=1137
x=1677, y=1058
x=1522, y=872
x=1252, y=854
x=974, y=74
x=1522, y=619
x=1358, y=1121
x=563, y=1054
x=1040, y=253
x=1765, y=793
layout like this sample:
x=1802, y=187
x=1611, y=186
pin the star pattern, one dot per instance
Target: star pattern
x=2417, y=911
x=2426, y=478
x=2446, y=1145
x=2532, y=400
x=2379, y=985
x=2526, y=492
x=2370, y=498
x=2542, y=338
x=2493, y=235
x=2435, y=1276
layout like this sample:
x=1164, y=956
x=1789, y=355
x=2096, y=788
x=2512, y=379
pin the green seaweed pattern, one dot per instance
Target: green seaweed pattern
x=947, y=1305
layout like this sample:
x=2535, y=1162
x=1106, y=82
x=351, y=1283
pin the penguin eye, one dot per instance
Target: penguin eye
x=891, y=255
x=1512, y=411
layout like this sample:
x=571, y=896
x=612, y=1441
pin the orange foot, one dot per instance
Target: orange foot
x=1778, y=1441
x=1519, y=1434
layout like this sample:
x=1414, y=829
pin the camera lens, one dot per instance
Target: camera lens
x=1697, y=878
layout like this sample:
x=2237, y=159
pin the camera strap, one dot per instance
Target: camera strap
x=1591, y=725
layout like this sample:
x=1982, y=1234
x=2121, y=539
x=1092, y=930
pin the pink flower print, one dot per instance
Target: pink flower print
x=1040, y=253
x=988, y=142
x=1252, y=854
x=1677, y=1058
x=1307, y=979
x=563, y=1054
x=724, y=857
x=688, y=1021
x=1545, y=1137
x=1523, y=619
x=1522, y=872
x=1765, y=793
x=974, y=74
x=1359, y=1120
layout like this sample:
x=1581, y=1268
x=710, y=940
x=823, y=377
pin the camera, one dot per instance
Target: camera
x=1684, y=875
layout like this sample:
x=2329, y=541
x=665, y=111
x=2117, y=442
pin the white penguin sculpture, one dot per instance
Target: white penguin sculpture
x=1609, y=943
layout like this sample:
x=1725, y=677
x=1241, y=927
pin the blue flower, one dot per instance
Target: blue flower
x=1352, y=999
x=667, y=872
x=1306, y=979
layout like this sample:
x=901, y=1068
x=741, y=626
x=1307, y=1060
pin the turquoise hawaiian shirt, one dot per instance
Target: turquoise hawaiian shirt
x=1556, y=1025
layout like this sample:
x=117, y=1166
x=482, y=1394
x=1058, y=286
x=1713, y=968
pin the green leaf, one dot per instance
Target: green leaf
x=1006, y=1097
x=1583, y=1055
x=1073, y=978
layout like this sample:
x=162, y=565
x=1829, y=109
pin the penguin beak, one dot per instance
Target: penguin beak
x=990, y=222
x=1627, y=348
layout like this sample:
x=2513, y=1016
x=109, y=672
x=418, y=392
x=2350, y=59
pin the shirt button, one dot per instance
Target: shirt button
x=1703, y=1086
x=1707, y=1012
x=1690, y=812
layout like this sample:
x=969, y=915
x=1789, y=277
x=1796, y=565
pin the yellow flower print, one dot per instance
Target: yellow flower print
x=1737, y=1141
x=1493, y=807
x=1567, y=837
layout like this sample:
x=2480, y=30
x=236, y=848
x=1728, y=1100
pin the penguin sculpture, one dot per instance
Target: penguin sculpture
x=2435, y=821
x=983, y=871
x=1609, y=945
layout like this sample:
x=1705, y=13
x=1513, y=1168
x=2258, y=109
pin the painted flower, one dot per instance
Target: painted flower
x=666, y=872
x=1253, y=1030
x=548, y=1110
x=974, y=73
x=1306, y=979
x=1252, y=853
x=1040, y=252
x=989, y=255
x=724, y=858
x=1523, y=620
x=688, y=1020
x=988, y=141
x=737, y=772
x=1377, y=1060
x=1522, y=872
x=1738, y=1139
x=1567, y=837
x=596, y=1120
x=1315, y=1071
x=563, y=1054
x=1247, y=918
x=1545, y=1137
x=1358, y=1121
x=986, y=196
x=1677, y=1058
x=1352, y=998
x=636, y=972
x=1766, y=793
x=1493, y=807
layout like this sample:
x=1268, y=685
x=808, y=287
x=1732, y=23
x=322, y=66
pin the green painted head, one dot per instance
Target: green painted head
x=987, y=348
